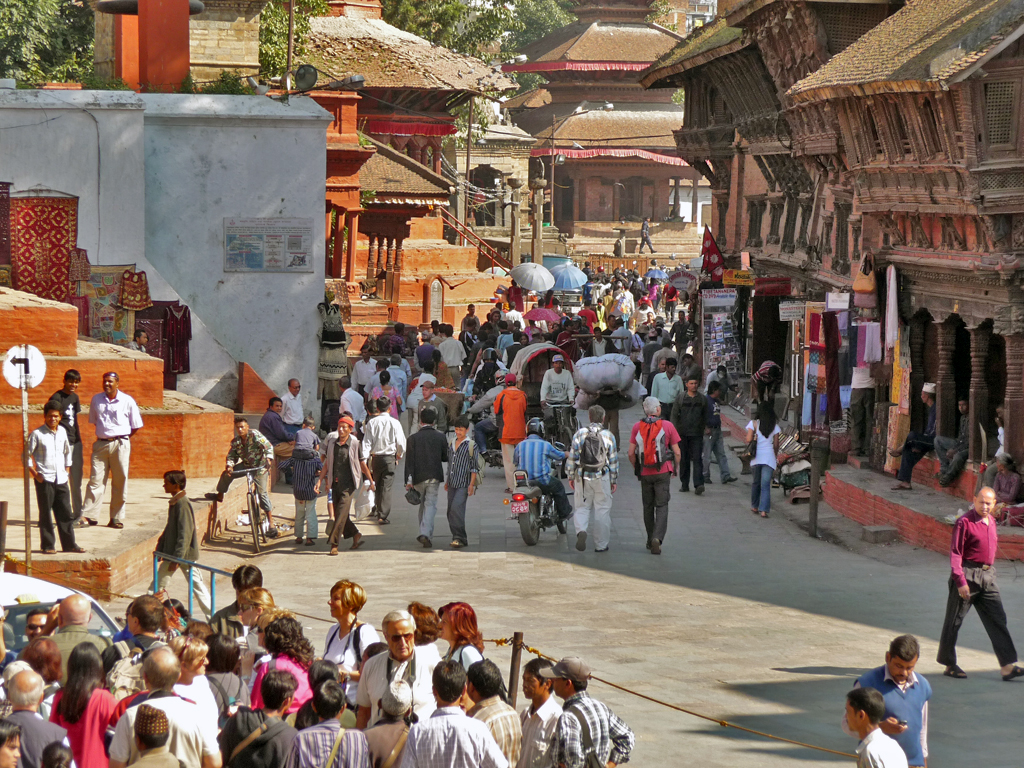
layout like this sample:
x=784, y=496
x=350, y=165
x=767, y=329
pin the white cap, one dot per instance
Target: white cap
x=397, y=699
x=929, y=388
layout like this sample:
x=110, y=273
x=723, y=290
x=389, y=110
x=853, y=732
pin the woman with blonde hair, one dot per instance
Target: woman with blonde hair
x=256, y=654
x=192, y=684
x=253, y=602
x=347, y=640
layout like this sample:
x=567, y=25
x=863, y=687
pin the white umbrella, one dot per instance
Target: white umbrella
x=533, y=277
x=496, y=271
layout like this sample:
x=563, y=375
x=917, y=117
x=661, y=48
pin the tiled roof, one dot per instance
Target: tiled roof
x=390, y=58
x=603, y=41
x=628, y=125
x=394, y=177
x=926, y=42
x=536, y=97
x=715, y=38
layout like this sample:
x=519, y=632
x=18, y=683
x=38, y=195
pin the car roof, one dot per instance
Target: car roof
x=31, y=590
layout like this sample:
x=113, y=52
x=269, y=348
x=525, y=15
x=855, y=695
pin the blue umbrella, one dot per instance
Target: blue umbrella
x=568, y=278
x=658, y=274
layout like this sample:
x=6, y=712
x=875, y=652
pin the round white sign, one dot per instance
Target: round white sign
x=24, y=365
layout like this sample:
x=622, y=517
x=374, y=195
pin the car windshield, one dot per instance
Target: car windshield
x=14, y=624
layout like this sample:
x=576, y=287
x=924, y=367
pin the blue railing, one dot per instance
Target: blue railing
x=214, y=572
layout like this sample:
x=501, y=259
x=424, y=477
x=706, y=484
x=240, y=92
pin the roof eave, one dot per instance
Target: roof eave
x=857, y=90
x=989, y=55
x=705, y=57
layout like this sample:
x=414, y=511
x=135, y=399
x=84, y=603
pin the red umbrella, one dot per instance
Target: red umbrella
x=543, y=314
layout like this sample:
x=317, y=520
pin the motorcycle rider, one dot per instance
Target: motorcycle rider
x=483, y=410
x=534, y=456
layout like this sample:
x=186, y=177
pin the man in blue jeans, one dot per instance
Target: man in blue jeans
x=428, y=450
x=534, y=456
x=713, y=439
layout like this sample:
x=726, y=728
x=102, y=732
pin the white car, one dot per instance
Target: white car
x=21, y=594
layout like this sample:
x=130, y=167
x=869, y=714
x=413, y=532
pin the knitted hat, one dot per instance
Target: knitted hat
x=151, y=721
x=397, y=699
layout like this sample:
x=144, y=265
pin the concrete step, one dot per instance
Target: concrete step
x=880, y=534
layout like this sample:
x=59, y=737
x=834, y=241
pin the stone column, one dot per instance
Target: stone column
x=918, y=413
x=695, y=208
x=1013, y=399
x=615, y=200
x=978, y=415
x=945, y=384
x=338, y=251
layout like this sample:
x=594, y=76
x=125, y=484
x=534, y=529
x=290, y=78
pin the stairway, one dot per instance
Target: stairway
x=180, y=432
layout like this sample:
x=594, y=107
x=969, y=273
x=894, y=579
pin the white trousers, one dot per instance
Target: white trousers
x=507, y=454
x=109, y=464
x=201, y=593
x=594, y=496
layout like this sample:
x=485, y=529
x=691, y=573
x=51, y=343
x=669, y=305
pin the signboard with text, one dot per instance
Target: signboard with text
x=738, y=277
x=682, y=280
x=790, y=311
x=268, y=245
x=718, y=297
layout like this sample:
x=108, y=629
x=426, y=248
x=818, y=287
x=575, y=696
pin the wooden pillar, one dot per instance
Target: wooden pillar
x=352, y=222
x=1013, y=399
x=695, y=207
x=677, y=201
x=163, y=44
x=338, y=252
x=978, y=414
x=945, y=383
x=389, y=269
x=615, y=200
x=396, y=289
x=578, y=190
x=382, y=249
x=371, y=265
x=654, y=200
x=918, y=413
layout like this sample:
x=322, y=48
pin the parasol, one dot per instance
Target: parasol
x=543, y=315
x=533, y=277
x=568, y=278
x=657, y=274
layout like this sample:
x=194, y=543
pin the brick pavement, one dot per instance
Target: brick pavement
x=746, y=619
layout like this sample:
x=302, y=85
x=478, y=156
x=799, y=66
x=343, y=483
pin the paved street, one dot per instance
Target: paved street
x=744, y=619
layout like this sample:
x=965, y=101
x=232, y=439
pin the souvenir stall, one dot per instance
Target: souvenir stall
x=720, y=341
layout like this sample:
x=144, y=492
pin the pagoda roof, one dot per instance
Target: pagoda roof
x=631, y=124
x=392, y=58
x=701, y=46
x=924, y=46
x=535, y=97
x=397, y=179
x=597, y=45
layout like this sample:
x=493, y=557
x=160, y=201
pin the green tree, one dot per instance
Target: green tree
x=274, y=33
x=474, y=30
x=46, y=40
x=537, y=18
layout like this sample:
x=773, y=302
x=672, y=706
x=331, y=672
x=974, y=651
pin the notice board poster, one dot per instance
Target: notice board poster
x=268, y=245
x=718, y=331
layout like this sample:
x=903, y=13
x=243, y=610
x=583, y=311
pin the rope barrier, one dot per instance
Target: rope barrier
x=724, y=723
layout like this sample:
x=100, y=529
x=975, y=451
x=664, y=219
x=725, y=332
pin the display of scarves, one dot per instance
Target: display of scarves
x=815, y=373
x=44, y=231
x=814, y=337
x=892, y=315
x=833, y=342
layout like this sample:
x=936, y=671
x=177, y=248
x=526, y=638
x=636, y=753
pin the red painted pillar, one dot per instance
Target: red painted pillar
x=126, y=49
x=163, y=44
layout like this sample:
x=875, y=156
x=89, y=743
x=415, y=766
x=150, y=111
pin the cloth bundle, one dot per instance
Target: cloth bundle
x=594, y=374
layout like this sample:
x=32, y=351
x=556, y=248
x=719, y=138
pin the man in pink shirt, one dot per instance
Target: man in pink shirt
x=654, y=453
x=973, y=582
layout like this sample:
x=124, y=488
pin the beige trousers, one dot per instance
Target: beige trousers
x=109, y=463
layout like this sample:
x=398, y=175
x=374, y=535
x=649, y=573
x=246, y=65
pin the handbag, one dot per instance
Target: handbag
x=750, y=449
x=414, y=497
x=864, y=282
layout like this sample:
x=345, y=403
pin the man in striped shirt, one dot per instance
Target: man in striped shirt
x=594, y=485
x=484, y=688
x=463, y=478
x=326, y=744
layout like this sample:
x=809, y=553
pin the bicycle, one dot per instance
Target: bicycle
x=566, y=424
x=252, y=503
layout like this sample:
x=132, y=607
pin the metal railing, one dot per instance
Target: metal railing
x=214, y=572
x=487, y=250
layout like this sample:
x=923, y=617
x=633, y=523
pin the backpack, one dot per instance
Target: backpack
x=660, y=452
x=593, y=451
x=125, y=677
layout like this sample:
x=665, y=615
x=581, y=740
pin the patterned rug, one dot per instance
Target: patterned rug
x=44, y=231
x=107, y=322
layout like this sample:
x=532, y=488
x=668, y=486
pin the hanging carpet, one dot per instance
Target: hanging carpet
x=44, y=231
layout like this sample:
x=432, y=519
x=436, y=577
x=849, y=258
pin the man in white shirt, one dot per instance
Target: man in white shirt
x=453, y=353
x=540, y=719
x=404, y=661
x=351, y=400
x=865, y=709
x=117, y=419
x=622, y=338
x=292, y=413
x=448, y=737
x=363, y=371
x=383, y=446
x=49, y=459
x=193, y=740
x=862, y=410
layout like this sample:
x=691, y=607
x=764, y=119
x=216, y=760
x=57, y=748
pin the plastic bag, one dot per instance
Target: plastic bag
x=594, y=374
x=364, y=502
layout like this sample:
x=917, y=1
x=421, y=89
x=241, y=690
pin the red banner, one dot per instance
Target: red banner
x=713, y=263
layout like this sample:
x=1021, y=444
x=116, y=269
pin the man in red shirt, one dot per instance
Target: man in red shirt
x=589, y=316
x=671, y=299
x=510, y=411
x=972, y=553
x=514, y=296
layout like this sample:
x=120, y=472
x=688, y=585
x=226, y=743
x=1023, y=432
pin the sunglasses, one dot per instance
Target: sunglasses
x=396, y=638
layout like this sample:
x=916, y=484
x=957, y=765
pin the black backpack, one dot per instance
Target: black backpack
x=593, y=452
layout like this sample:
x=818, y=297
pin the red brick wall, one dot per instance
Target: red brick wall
x=49, y=325
x=253, y=393
x=143, y=379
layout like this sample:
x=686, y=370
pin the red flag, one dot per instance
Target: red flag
x=713, y=262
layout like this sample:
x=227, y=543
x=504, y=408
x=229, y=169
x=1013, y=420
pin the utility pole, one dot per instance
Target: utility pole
x=291, y=46
x=537, y=209
x=469, y=149
x=551, y=220
x=515, y=239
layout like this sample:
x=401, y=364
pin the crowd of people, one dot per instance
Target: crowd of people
x=247, y=689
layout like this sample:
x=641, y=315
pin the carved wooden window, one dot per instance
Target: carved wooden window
x=1000, y=114
x=719, y=108
x=841, y=259
x=899, y=123
x=930, y=128
x=846, y=23
x=875, y=142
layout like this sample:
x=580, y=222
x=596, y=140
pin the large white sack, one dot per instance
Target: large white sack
x=606, y=372
x=584, y=400
x=633, y=395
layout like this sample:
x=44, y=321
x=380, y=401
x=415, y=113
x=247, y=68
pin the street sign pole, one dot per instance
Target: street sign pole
x=24, y=455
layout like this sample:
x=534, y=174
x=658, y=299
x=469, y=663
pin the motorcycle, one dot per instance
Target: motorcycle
x=534, y=509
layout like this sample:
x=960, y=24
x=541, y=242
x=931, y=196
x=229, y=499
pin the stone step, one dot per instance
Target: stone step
x=28, y=319
x=880, y=534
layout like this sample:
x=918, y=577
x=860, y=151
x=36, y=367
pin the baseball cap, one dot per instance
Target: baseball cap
x=570, y=668
x=510, y=378
x=557, y=359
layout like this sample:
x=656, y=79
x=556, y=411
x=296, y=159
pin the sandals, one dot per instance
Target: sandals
x=959, y=674
x=357, y=541
x=333, y=552
x=901, y=487
x=764, y=515
x=1014, y=673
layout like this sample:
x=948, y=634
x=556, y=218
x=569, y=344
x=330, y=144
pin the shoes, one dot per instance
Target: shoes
x=333, y=552
x=601, y=550
x=581, y=541
x=116, y=524
x=1014, y=673
x=49, y=551
x=707, y=481
x=383, y=521
x=310, y=543
x=954, y=671
x=425, y=541
x=214, y=496
x=75, y=550
x=298, y=541
x=699, y=490
x=729, y=480
x=683, y=489
x=457, y=544
x=648, y=543
x=655, y=547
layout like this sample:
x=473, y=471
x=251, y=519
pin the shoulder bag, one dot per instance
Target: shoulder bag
x=865, y=293
x=334, y=749
x=590, y=759
x=750, y=450
x=397, y=751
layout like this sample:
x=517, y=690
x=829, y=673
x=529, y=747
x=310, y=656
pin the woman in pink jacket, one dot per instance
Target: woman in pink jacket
x=290, y=652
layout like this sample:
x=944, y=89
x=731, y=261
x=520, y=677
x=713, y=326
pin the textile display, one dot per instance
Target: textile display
x=5, y=276
x=79, y=269
x=899, y=428
x=5, y=226
x=833, y=342
x=107, y=322
x=178, y=332
x=815, y=373
x=892, y=315
x=897, y=373
x=44, y=231
x=879, y=434
x=333, y=359
x=134, y=291
x=157, y=346
x=82, y=304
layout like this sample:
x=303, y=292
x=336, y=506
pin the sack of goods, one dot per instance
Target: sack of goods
x=584, y=400
x=633, y=395
x=594, y=374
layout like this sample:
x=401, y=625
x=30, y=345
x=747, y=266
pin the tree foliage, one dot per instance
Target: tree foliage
x=274, y=33
x=476, y=30
x=46, y=40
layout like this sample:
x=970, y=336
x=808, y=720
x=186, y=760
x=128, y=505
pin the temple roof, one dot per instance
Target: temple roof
x=700, y=46
x=928, y=43
x=630, y=124
x=601, y=43
x=397, y=179
x=535, y=97
x=391, y=58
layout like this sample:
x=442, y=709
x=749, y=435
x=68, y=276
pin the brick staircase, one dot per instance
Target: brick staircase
x=598, y=237
x=180, y=432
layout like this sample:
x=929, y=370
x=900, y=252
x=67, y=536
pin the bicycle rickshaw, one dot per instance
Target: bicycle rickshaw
x=530, y=365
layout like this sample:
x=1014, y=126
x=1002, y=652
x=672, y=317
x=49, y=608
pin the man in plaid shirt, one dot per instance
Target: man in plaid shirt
x=609, y=739
x=594, y=486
